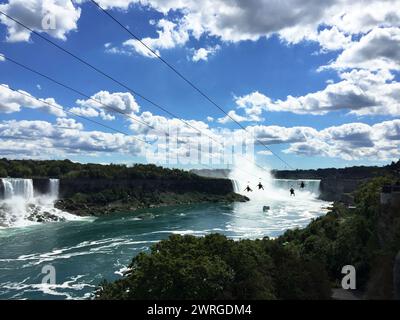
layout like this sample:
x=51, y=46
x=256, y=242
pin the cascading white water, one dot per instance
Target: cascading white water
x=282, y=210
x=247, y=173
x=54, y=185
x=18, y=187
x=310, y=185
x=8, y=189
x=20, y=206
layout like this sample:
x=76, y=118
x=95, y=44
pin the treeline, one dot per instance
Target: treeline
x=214, y=267
x=300, y=264
x=367, y=237
x=356, y=172
x=69, y=169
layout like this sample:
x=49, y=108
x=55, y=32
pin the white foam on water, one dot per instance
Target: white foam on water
x=74, y=283
x=20, y=207
x=103, y=246
x=286, y=212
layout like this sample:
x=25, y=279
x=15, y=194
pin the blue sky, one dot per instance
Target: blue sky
x=319, y=90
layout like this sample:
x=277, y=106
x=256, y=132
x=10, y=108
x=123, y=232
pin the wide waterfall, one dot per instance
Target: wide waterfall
x=20, y=205
x=18, y=188
x=247, y=173
x=273, y=207
x=311, y=186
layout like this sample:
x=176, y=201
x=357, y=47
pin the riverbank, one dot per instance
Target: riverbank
x=95, y=189
x=87, y=250
x=337, y=184
x=300, y=264
x=82, y=205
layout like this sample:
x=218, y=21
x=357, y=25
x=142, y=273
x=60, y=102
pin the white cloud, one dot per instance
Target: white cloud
x=160, y=125
x=89, y=112
x=233, y=116
x=11, y=101
x=360, y=92
x=253, y=106
x=265, y=153
x=2, y=57
x=292, y=20
x=85, y=112
x=379, y=49
x=270, y=135
x=229, y=20
x=66, y=137
x=332, y=39
x=69, y=124
x=170, y=35
x=63, y=13
x=106, y=105
x=204, y=53
x=353, y=141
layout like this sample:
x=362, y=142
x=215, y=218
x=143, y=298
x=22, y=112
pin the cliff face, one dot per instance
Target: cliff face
x=212, y=173
x=83, y=196
x=336, y=184
x=41, y=185
x=338, y=189
x=69, y=187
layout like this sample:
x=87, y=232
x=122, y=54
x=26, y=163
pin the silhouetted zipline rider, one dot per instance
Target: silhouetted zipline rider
x=302, y=185
x=260, y=186
x=292, y=192
x=248, y=189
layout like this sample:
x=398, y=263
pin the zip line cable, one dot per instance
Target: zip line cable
x=74, y=90
x=70, y=112
x=115, y=80
x=76, y=115
x=107, y=76
x=176, y=71
x=100, y=71
x=87, y=96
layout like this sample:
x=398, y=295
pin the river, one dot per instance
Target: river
x=83, y=252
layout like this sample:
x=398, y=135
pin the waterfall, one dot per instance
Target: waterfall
x=8, y=189
x=54, y=185
x=245, y=173
x=20, y=206
x=311, y=186
x=18, y=188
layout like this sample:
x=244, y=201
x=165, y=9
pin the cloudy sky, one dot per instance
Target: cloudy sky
x=316, y=81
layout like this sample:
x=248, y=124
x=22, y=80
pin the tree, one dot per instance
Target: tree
x=3, y=173
x=20, y=171
x=186, y=267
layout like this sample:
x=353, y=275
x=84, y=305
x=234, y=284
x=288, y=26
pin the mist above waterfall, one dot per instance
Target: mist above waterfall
x=285, y=212
x=247, y=173
x=20, y=205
